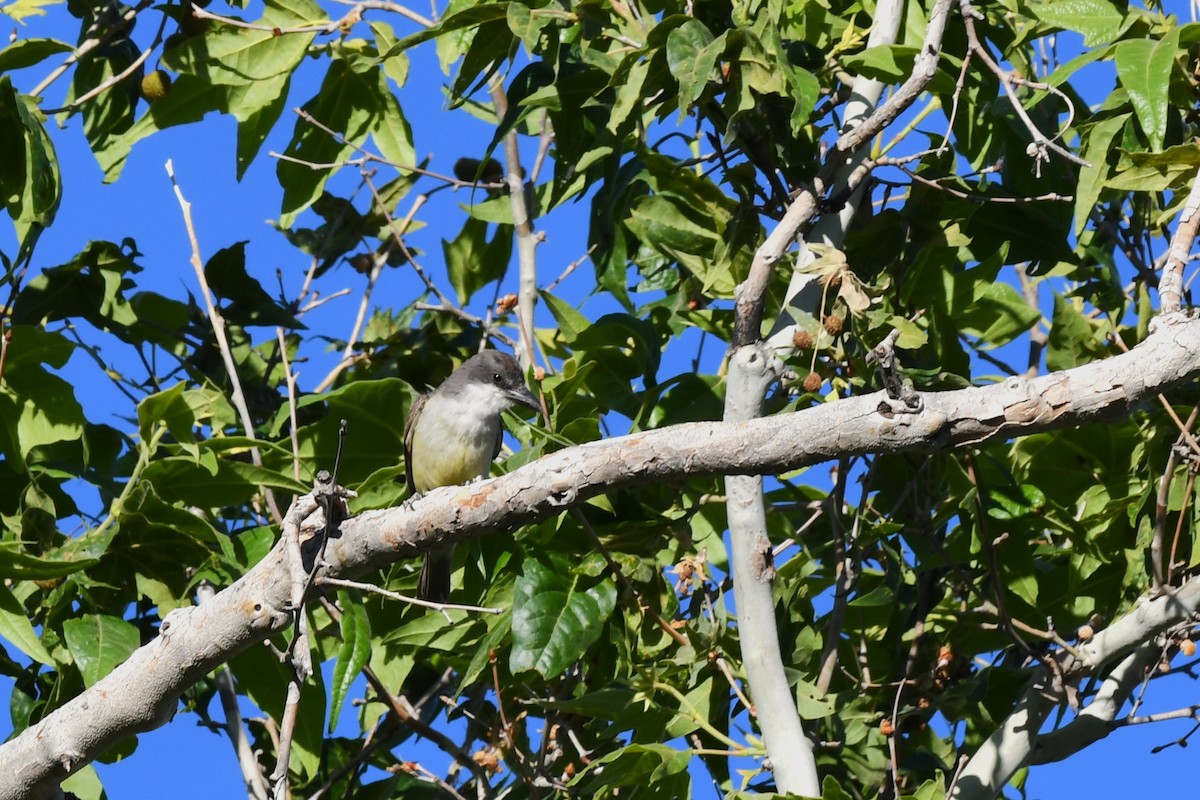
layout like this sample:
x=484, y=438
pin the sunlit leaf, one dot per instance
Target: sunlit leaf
x=556, y=616
x=1144, y=67
x=98, y=643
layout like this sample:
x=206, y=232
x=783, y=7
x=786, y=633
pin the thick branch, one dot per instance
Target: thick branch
x=1016, y=742
x=750, y=374
x=1170, y=286
x=141, y=694
x=1099, y=718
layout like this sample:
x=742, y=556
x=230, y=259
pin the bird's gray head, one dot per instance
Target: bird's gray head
x=493, y=379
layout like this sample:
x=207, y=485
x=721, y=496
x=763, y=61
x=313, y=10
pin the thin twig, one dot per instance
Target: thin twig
x=91, y=43
x=574, y=265
x=218, y=325
x=115, y=79
x=351, y=16
x=522, y=231
x=416, y=601
x=396, y=8
x=1009, y=80
x=294, y=425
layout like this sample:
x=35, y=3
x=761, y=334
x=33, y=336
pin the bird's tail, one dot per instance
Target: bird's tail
x=434, y=583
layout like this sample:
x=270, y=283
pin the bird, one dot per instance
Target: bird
x=451, y=436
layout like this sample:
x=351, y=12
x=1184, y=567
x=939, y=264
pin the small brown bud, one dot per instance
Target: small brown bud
x=1085, y=632
x=812, y=383
x=506, y=303
x=489, y=759
x=802, y=339
x=833, y=324
x=886, y=727
x=1187, y=647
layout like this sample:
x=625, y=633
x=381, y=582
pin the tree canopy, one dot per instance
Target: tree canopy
x=941, y=248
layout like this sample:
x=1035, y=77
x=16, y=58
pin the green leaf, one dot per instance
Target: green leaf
x=30, y=345
x=1144, y=68
x=891, y=63
x=85, y=784
x=1024, y=586
x=392, y=134
x=168, y=406
x=27, y=52
x=352, y=655
x=98, y=643
x=499, y=630
x=666, y=225
x=75, y=555
x=879, y=596
x=375, y=434
x=347, y=102
x=90, y=286
x=1008, y=502
x=472, y=261
x=832, y=790
x=395, y=67
x=16, y=628
x=638, y=765
x=109, y=113
x=257, y=107
x=230, y=55
x=49, y=411
x=1072, y=339
x=232, y=482
x=568, y=321
x=29, y=178
x=692, y=58
x=813, y=703
x=20, y=9
x=556, y=616
x=248, y=303
x=160, y=538
x=999, y=315
x=1092, y=177
x=1099, y=21
x=188, y=101
x=1155, y=172
x=456, y=20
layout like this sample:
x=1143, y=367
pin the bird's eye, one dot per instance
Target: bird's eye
x=498, y=378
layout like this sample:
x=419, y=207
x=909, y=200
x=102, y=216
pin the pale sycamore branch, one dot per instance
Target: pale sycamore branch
x=142, y=693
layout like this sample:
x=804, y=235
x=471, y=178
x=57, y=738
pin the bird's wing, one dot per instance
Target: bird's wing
x=410, y=426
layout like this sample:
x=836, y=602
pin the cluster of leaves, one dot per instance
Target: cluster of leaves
x=685, y=127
